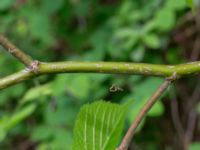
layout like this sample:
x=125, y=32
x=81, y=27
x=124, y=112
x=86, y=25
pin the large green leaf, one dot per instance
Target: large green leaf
x=98, y=126
x=37, y=92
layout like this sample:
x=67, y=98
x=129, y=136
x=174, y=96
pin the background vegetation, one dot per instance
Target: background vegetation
x=40, y=114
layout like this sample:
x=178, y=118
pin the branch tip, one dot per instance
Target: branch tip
x=34, y=66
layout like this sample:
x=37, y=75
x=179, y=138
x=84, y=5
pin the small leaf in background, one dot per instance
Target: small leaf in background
x=22, y=28
x=176, y=4
x=164, y=19
x=78, y=85
x=37, y=92
x=4, y=4
x=16, y=91
x=151, y=40
x=8, y=122
x=125, y=32
x=3, y=131
x=190, y=3
x=51, y=6
x=42, y=132
x=157, y=109
x=55, y=117
x=98, y=126
x=40, y=26
x=138, y=54
x=125, y=8
x=2, y=134
x=173, y=54
x=81, y=7
x=60, y=141
x=20, y=115
x=194, y=146
x=198, y=108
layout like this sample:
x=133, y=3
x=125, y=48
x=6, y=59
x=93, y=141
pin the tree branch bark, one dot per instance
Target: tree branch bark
x=15, y=51
x=38, y=68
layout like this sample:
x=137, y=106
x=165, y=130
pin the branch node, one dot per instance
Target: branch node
x=173, y=77
x=34, y=66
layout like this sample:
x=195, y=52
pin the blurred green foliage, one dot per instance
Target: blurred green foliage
x=194, y=146
x=43, y=110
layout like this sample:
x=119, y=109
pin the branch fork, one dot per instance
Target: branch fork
x=34, y=67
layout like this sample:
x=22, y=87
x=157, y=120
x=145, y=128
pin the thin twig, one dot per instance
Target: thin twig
x=131, y=131
x=15, y=51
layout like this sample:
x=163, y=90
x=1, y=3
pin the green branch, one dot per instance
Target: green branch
x=36, y=68
x=39, y=68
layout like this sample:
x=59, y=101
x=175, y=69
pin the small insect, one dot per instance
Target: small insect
x=115, y=88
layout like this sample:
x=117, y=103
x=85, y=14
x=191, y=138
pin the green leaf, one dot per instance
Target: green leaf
x=138, y=54
x=60, y=141
x=165, y=19
x=40, y=26
x=42, y=132
x=4, y=4
x=151, y=40
x=20, y=115
x=8, y=122
x=81, y=7
x=51, y=6
x=176, y=5
x=194, y=146
x=77, y=86
x=198, y=108
x=2, y=133
x=37, y=92
x=98, y=126
x=157, y=110
x=190, y=3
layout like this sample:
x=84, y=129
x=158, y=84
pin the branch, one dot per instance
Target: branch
x=38, y=68
x=15, y=51
x=131, y=131
x=15, y=78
